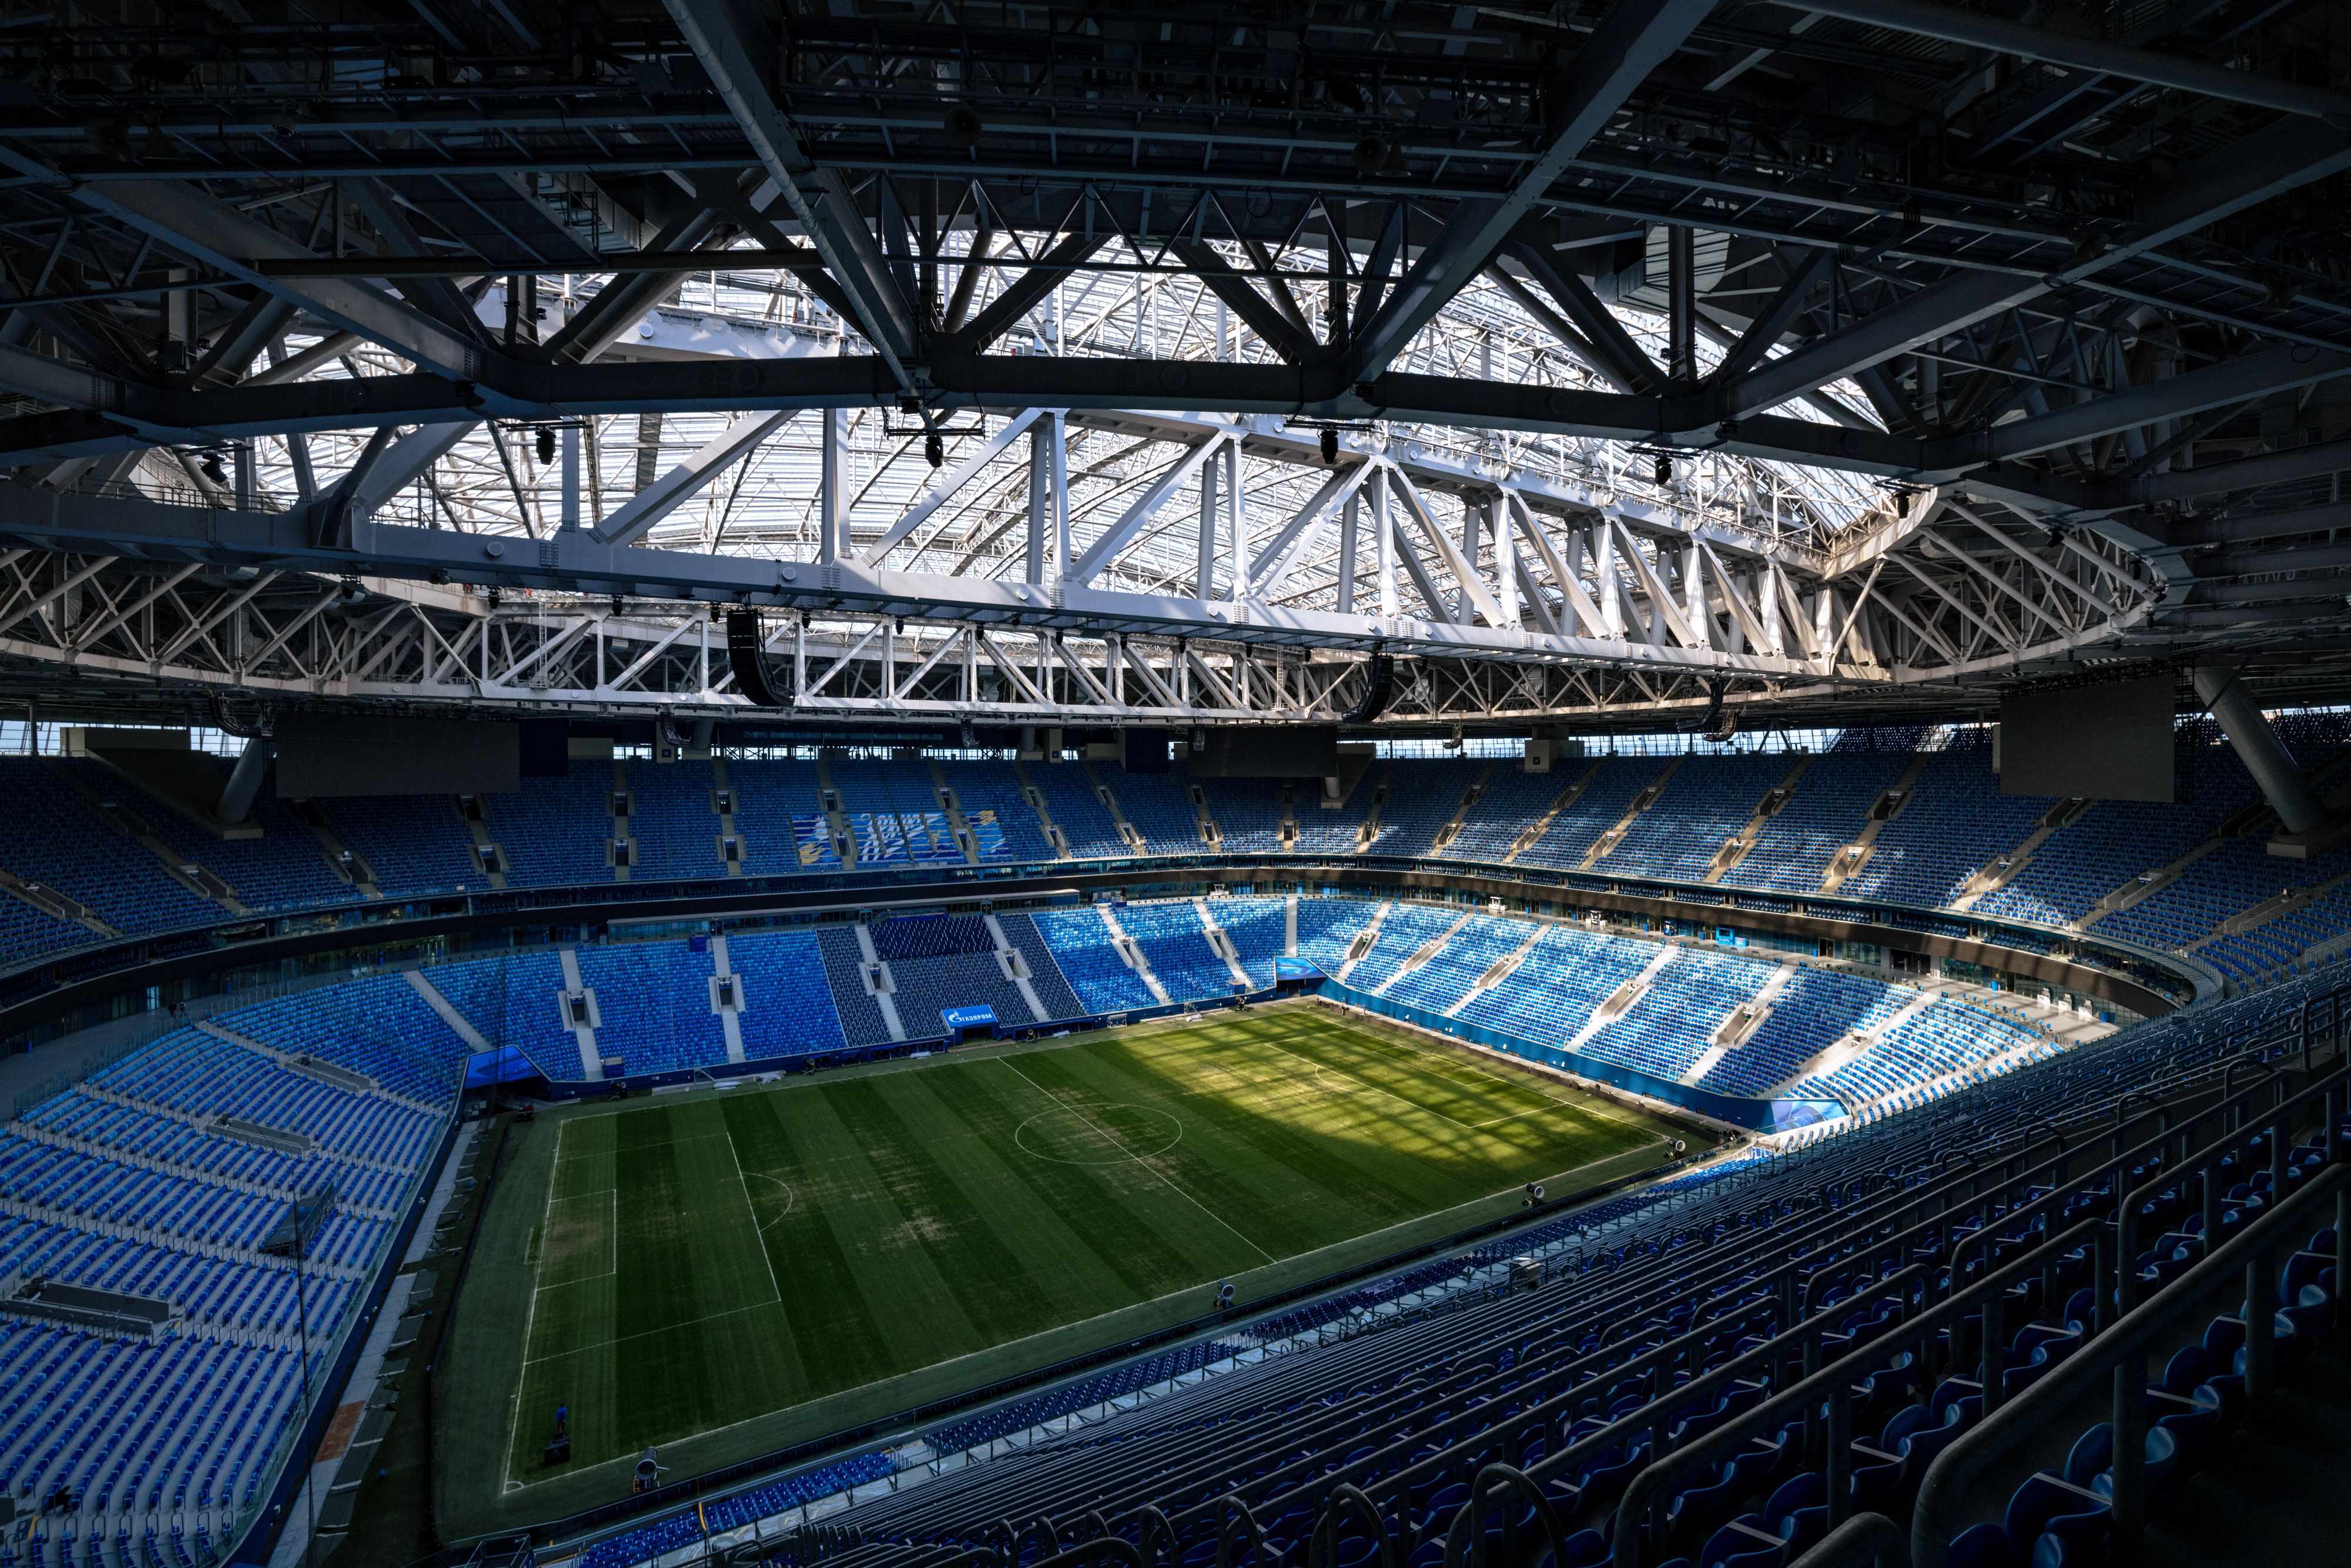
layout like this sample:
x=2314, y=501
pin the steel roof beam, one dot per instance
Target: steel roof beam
x=730, y=44
x=2292, y=153
x=1632, y=41
x=1922, y=18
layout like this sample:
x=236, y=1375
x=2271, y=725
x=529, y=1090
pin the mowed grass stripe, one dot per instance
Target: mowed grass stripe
x=659, y=1333
x=910, y=1145
x=898, y=1283
x=837, y=1341
x=1118, y=1229
x=1272, y=1177
x=702, y=1263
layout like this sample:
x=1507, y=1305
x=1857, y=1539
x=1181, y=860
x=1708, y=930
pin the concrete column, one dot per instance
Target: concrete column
x=2258, y=746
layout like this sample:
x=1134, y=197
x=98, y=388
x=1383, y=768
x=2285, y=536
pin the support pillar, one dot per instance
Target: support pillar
x=244, y=781
x=2258, y=746
x=831, y=499
x=1681, y=303
x=1348, y=521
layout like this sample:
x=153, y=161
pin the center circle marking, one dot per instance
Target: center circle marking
x=1138, y=1131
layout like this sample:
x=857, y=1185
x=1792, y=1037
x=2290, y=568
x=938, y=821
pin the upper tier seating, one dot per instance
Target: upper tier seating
x=559, y=831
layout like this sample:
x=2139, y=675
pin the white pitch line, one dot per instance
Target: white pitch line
x=1138, y=1159
x=744, y=1185
x=641, y=1333
x=530, y=1317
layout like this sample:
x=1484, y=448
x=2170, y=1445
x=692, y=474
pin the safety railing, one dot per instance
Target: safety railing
x=2122, y=1353
x=1831, y=1389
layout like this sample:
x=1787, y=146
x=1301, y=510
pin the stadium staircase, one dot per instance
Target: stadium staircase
x=2286, y=902
x=1451, y=829
x=1624, y=997
x=1360, y=946
x=489, y=855
x=1054, y=836
x=190, y=873
x=1421, y=955
x=1126, y=830
x=2004, y=869
x=349, y=866
x=1130, y=953
x=1368, y=833
x=1498, y=970
x=1204, y=823
x=620, y=805
x=1890, y=803
x=449, y=1015
x=580, y=1016
x=1221, y=942
x=1736, y=850
x=1010, y=960
x=1740, y=1027
x=1531, y=835
x=880, y=984
x=836, y=815
x=734, y=853
x=726, y=997
x=1854, y=1045
x=1606, y=844
x=957, y=822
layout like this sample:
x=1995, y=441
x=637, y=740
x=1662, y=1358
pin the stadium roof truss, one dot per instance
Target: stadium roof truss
x=1595, y=361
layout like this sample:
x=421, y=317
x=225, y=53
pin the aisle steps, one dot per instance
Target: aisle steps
x=1422, y=954
x=1130, y=953
x=1737, y=1028
x=1891, y=802
x=880, y=984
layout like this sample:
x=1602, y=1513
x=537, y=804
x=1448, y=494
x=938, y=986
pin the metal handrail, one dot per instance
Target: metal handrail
x=1869, y=1217
x=1833, y=1385
x=2121, y=1351
x=1864, y=1218
x=1865, y=1540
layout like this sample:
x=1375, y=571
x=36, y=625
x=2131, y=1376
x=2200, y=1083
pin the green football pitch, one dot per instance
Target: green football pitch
x=703, y=1262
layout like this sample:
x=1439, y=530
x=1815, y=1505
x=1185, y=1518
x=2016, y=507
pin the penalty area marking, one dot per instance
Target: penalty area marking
x=790, y=1197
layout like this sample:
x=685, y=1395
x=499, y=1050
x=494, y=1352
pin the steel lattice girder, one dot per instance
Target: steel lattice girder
x=1644, y=618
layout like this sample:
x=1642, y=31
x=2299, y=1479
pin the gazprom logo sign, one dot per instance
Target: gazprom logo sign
x=969, y=1017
